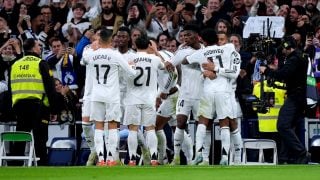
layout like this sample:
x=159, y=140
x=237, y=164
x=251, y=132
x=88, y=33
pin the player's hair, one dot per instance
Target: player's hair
x=209, y=35
x=105, y=35
x=142, y=42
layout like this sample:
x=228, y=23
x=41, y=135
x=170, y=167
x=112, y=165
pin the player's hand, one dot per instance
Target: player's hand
x=209, y=74
x=209, y=66
x=163, y=95
x=169, y=66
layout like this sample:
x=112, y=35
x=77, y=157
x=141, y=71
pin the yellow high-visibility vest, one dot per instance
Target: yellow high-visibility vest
x=268, y=122
x=26, y=80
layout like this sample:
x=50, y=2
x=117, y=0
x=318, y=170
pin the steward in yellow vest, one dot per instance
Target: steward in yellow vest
x=268, y=122
x=33, y=96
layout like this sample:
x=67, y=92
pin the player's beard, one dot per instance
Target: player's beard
x=107, y=11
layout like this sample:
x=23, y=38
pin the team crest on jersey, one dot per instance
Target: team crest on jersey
x=236, y=59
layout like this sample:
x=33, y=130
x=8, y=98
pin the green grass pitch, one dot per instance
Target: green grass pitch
x=292, y=172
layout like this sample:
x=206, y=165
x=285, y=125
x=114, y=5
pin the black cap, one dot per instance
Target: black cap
x=288, y=42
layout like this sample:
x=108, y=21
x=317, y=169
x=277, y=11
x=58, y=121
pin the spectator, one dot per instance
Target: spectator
x=67, y=103
x=135, y=33
x=77, y=21
x=136, y=16
x=10, y=52
x=62, y=63
x=296, y=22
x=172, y=44
x=183, y=14
x=198, y=9
x=107, y=18
x=10, y=13
x=158, y=21
x=4, y=31
x=162, y=40
x=52, y=26
x=312, y=11
x=223, y=25
x=32, y=6
x=93, y=9
x=283, y=11
x=213, y=12
x=121, y=7
x=60, y=10
x=248, y=5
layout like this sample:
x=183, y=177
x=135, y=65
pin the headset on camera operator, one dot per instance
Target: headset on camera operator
x=293, y=73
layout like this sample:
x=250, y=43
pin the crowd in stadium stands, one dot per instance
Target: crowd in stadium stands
x=65, y=28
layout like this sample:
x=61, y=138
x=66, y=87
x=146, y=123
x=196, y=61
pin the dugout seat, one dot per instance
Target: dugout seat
x=18, y=136
x=315, y=149
x=62, y=151
x=260, y=145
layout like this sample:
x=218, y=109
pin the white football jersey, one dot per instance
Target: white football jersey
x=106, y=64
x=191, y=83
x=128, y=56
x=86, y=55
x=227, y=66
x=143, y=88
x=166, y=80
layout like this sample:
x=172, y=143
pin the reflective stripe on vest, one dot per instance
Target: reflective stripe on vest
x=26, y=80
x=268, y=122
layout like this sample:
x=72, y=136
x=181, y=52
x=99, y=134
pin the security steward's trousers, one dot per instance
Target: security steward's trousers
x=30, y=114
x=289, y=116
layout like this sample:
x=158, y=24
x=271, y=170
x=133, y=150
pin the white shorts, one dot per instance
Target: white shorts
x=86, y=105
x=105, y=112
x=185, y=107
x=140, y=114
x=122, y=106
x=216, y=104
x=168, y=106
x=237, y=113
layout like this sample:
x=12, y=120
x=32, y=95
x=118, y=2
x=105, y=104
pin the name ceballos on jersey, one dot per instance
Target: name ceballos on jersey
x=101, y=56
x=142, y=59
x=213, y=51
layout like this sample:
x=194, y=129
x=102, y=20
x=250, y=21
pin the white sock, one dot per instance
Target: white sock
x=206, y=146
x=187, y=146
x=225, y=140
x=237, y=144
x=177, y=141
x=200, y=135
x=98, y=141
x=112, y=153
x=106, y=136
x=132, y=144
x=162, y=144
x=152, y=143
x=88, y=135
x=141, y=140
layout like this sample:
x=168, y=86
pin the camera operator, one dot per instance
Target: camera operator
x=294, y=74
